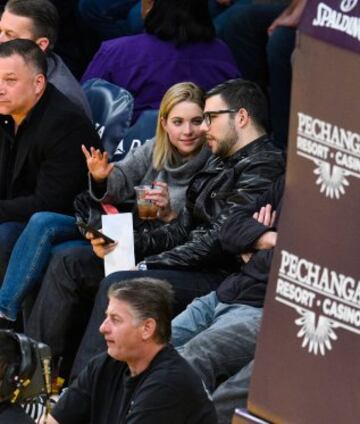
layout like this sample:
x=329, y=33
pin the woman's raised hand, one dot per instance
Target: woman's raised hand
x=97, y=163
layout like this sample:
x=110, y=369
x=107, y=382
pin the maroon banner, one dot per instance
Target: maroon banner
x=334, y=21
x=307, y=360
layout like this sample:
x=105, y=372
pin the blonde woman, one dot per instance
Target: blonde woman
x=169, y=161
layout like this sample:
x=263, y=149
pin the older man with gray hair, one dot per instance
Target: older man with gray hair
x=141, y=378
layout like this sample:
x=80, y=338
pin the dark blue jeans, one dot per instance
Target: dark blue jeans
x=218, y=340
x=279, y=51
x=112, y=18
x=265, y=60
x=246, y=35
x=186, y=284
x=222, y=14
x=31, y=254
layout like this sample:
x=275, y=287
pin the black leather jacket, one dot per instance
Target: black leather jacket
x=192, y=240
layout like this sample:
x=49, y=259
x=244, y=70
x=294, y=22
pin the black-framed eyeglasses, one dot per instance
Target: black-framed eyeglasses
x=211, y=113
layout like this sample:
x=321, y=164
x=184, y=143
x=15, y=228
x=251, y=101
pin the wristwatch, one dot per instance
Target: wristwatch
x=142, y=266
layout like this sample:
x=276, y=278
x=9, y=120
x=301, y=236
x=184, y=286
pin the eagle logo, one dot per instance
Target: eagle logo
x=332, y=179
x=317, y=336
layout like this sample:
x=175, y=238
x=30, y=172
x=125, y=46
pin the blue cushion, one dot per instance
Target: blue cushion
x=112, y=108
x=144, y=129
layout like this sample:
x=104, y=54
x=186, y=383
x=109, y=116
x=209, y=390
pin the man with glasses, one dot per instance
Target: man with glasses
x=186, y=252
x=217, y=332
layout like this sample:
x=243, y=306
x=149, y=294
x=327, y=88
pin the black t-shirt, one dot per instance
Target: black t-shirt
x=248, y=286
x=13, y=414
x=168, y=391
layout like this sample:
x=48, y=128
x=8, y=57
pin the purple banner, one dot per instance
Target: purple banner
x=335, y=21
x=305, y=368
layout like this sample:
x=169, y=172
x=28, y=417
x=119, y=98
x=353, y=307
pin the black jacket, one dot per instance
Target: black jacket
x=238, y=235
x=43, y=167
x=192, y=241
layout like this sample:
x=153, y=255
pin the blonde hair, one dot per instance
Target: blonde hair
x=181, y=92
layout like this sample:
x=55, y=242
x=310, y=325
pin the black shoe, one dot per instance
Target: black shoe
x=6, y=324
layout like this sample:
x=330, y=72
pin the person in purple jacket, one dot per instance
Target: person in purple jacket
x=178, y=45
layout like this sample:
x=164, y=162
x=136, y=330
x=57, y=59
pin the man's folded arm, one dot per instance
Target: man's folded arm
x=241, y=231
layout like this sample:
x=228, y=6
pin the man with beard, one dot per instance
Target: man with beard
x=186, y=252
x=217, y=332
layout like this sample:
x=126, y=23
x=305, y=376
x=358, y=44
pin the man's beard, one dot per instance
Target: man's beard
x=223, y=149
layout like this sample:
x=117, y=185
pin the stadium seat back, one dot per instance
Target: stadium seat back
x=112, y=109
x=144, y=129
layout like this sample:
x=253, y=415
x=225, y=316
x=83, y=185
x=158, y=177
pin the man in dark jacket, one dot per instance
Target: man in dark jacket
x=38, y=20
x=217, y=333
x=41, y=132
x=186, y=252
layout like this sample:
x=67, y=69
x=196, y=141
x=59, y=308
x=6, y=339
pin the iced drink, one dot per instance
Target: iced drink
x=146, y=208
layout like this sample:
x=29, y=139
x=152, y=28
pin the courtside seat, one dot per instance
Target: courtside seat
x=143, y=130
x=112, y=109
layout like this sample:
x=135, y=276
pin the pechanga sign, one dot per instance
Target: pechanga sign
x=324, y=299
x=307, y=358
x=335, y=21
x=335, y=151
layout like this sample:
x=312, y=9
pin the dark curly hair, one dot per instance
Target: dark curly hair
x=180, y=21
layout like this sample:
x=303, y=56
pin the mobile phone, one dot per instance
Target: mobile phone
x=96, y=233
